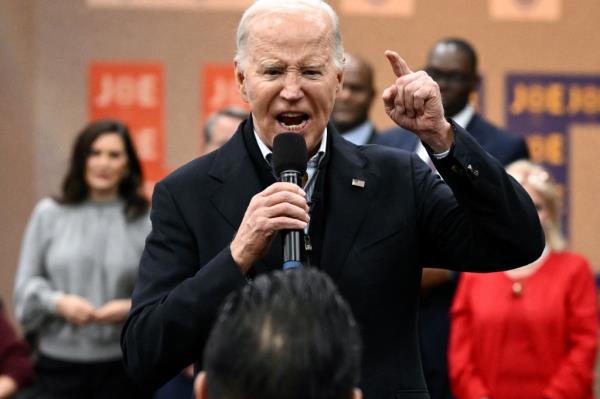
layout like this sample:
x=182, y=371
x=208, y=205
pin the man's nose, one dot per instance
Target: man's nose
x=292, y=87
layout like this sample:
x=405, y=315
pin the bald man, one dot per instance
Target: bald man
x=351, y=109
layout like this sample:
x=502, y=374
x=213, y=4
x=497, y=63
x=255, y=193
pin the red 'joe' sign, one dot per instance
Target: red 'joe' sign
x=134, y=94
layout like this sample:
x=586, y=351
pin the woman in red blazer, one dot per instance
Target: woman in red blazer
x=529, y=332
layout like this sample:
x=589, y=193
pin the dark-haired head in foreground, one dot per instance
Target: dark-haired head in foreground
x=287, y=335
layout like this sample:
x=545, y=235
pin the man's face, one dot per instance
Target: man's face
x=288, y=77
x=452, y=71
x=354, y=101
x=224, y=127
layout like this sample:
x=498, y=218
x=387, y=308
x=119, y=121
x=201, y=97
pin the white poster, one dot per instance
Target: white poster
x=382, y=8
x=227, y=5
x=525, y=10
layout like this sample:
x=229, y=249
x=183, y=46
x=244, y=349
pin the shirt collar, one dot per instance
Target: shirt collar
x=359, y=135
x=265, y=151
x=463, y=118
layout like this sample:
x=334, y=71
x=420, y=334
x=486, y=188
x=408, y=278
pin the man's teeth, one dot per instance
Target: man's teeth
x=293, y=121
x=296, y=126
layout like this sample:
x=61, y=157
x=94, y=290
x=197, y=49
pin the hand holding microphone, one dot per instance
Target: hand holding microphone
x=281, y=206
x=289, y=163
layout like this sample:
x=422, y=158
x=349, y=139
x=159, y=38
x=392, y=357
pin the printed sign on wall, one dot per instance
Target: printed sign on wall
x=525, y=10
x=384, y=8
x=219, y=89
x=542, y=107
x=133, y=93
x=173, y=4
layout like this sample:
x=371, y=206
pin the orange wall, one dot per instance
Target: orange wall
x=17, y=161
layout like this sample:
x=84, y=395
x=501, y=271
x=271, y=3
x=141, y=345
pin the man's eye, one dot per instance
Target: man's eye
x=355, y=88
x=312, y=72
x=272, y=71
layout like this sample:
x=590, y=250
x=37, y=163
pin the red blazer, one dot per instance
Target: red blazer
x=538, y=344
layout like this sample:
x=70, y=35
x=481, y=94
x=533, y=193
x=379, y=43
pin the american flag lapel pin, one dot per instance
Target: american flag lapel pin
x=358, y=183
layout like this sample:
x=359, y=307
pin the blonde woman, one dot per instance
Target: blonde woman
x=529, y=332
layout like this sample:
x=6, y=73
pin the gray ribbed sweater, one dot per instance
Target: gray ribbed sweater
x=88, y=250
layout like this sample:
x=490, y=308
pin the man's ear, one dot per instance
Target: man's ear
x=240, y=81
x=200, y=386
x=476, y=82
x=340, y=81
x=356, y=393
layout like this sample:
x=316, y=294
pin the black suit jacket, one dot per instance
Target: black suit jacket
x=376, y=238
x=506, y=147
x=434, y=318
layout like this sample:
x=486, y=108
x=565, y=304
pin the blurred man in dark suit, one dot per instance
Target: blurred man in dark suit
x=452, y=64
x=221, y=125
x=351, y=109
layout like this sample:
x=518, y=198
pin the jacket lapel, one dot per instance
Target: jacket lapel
x=231, y=168
x=349, y=193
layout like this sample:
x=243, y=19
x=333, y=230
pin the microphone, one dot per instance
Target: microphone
x=290, y=157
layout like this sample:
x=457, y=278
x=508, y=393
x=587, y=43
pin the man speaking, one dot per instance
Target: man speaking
x=372, y=215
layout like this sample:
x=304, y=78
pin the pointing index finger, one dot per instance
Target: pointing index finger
x=398, y=64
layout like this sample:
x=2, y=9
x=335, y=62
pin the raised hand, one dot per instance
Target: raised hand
x=414, y=103
x=75, y=309
x=280, y=206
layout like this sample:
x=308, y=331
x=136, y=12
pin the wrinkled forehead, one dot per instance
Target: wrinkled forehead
x=291, y=28
x=313, y=15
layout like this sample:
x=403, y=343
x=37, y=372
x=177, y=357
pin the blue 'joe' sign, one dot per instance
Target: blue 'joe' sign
x=541, y=107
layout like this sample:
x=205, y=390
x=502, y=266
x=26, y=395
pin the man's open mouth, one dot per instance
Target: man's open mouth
x=293, y=120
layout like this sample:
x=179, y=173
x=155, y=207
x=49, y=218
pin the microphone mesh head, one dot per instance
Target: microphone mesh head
x=289, y=153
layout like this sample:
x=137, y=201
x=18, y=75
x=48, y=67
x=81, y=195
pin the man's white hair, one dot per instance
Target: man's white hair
x=289, y=6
